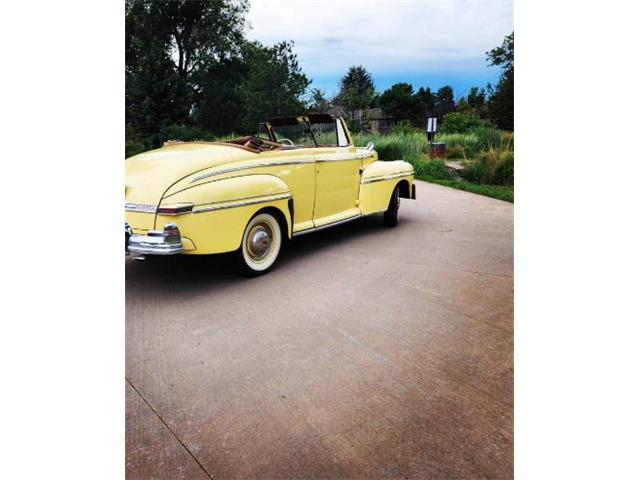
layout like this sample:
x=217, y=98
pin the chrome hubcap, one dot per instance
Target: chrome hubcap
x=259, y=241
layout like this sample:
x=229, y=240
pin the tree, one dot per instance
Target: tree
x=274, y=84
x=476, y=98
x=400, y=102
x=199, y=33
x=474, y=103
x=444, y=102
x=426, y=100
x=218, y=106
x=501, y=103
x=503, y=55
x=172, y=46
x=501, y=100
x=357, y=90
x=319, y=102
x=155, y=96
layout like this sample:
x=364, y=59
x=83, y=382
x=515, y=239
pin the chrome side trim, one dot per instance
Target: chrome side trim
x=323, y=159
x=322, y=227
x=386, y=177
x=248, y=167
x=338, y=157
x=242, y=203
x=140, y=207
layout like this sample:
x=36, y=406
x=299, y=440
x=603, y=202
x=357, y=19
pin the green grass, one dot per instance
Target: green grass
x=479, y=147
x=501, y=192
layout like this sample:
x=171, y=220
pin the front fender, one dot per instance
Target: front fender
x=222, y=208
x=378, y=181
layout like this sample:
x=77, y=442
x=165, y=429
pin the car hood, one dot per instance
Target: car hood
x=150, y=174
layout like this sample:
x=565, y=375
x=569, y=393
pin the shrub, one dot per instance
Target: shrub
x=507, y=140
x=410, y=146
x=488, y=138
x=403, y=128
x=468, y=142
x=459, y=122
x=455, y=152
x=504, y=170
x=391, y=149
x=478, y=172
x=432, y=169
x=491, y=167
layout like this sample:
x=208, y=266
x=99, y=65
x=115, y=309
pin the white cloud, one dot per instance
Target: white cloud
x=383, y=35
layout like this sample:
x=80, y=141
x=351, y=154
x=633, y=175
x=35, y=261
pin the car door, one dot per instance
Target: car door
x=337, y=180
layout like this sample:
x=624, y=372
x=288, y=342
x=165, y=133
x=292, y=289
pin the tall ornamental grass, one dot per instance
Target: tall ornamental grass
x=493, y=167
x=400, y=146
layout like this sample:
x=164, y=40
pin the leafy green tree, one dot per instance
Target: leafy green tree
x=357, y=91
x=171, y=48
x=427, y=102
x=474, y=103
x=218, y=105
x=476, y=98
x=501, y=100
x=400, y=102
x=503, y=55
x=444, y=102
x=319, y=102
x=155, y=96
x=501, y=103
x=274, y=84
x=200, y=33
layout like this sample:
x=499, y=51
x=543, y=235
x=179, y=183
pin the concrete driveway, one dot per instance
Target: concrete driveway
x=367, y=353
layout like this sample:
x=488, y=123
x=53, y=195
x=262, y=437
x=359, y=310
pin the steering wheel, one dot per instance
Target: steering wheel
x=255, y=143
x=284, y=142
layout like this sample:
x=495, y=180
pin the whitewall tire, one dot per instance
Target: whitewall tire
x=261, y=244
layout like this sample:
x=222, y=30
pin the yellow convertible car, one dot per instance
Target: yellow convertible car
x=296, y=175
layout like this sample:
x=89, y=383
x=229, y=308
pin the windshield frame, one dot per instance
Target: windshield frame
x=308, y=121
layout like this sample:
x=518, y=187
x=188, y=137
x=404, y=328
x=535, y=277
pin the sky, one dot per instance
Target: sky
x=423, y=42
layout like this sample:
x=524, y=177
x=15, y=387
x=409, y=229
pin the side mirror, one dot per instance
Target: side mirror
x=370, y=146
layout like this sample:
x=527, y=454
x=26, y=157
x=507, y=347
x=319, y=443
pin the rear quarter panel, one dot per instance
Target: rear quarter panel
x=224, y=207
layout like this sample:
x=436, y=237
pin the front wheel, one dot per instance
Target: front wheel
x=261, y=243
x=391, y=214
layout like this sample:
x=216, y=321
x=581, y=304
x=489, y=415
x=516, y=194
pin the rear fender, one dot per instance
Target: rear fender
x=222, y=209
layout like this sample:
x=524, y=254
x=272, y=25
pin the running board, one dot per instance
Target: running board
x=328, y=225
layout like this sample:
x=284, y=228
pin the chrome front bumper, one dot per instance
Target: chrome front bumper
x=155, y=242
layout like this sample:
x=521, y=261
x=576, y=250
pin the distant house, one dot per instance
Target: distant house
x=370, y=119
x=377, y=121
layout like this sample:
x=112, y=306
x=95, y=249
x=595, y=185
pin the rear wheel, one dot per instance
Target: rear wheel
x=261, y=244
x=391, y=215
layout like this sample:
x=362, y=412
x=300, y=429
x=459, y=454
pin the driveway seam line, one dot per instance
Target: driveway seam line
x=170, y=430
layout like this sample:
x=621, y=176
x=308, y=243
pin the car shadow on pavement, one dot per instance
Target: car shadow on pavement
x=181, y=273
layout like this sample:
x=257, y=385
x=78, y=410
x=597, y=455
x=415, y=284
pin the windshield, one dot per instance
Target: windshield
x=325, y=134
x=299, y=134
x=313, y=130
